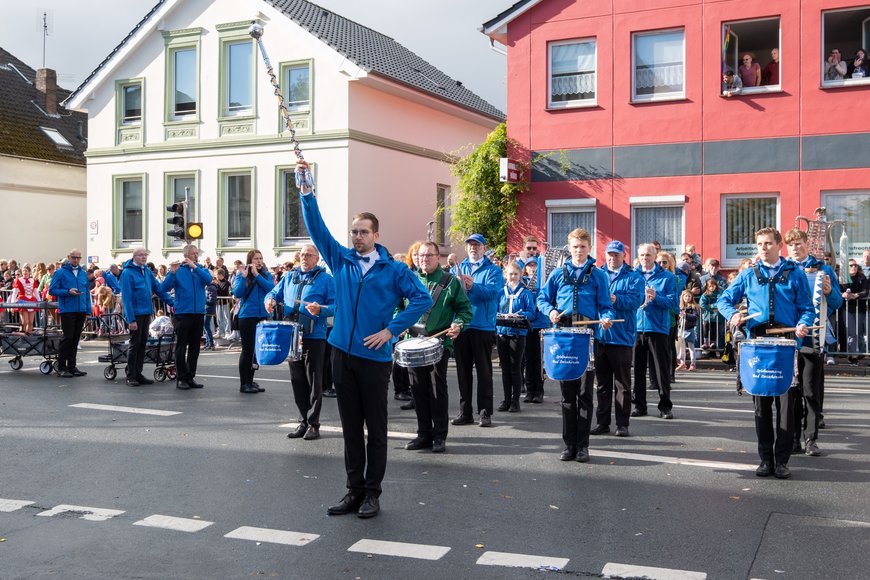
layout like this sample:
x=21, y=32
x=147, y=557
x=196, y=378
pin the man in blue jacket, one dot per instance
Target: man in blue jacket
x=138, y=285
x=811, y=357
x=70, y=286
x=368, y=286
x=483, y=281
x=652, y=348
x=188, y=279
x=533, y=376
x=614, y=345
x=778, y=295
x=111, y=278
x=577, y=291
x=308, y=295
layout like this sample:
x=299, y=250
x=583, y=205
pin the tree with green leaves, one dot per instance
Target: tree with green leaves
x=483, y=204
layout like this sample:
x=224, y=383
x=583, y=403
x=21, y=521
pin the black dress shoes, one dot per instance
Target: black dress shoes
x=764, y=470
x=369, y=508
x=515, y=407
x=638, y=413
x=312, y=433
x=503, y=406
x=259, y=388
x=599, y=430
x=329, y=393
x=582, y=455
x=568, y=454
x=622, y=431
x=65, y=374
x=782, y=471
x=462, y=420
x=409, y=406
x=538, y=399
x=181, y=385
x=193, y=384
x=78, y=373
x=666, y=415
x=132, y=383
x=249, y=389
x=349, y=503
x=402, y=396
x=418, y=443
x=300, y=430
x=439, y=446
x=143, y=381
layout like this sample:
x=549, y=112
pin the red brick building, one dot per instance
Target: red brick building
x=621, y=107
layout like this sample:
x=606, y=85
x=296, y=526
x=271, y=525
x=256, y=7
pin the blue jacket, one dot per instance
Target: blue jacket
x=112, y=282
x=65, y=280
x=792, y=303
x=834, y=300
x=539, y=321
x=189, y=288
x=656, y=315
x=484, y=293
x=138, y=284
x=365, y=304
x=254, y=305
x=317, y=286
x=628, y=288
x=593, y=297
x=524, y=305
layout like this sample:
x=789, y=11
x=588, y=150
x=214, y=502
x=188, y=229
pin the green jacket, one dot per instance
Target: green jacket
x=452, y=306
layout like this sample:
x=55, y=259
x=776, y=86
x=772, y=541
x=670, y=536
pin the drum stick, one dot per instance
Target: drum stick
x=302, y=302
x=789, y=329
x=752, y=316
x=588, y=322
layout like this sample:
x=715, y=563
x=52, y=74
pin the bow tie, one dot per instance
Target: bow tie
x=362, y=258
x=476, y=264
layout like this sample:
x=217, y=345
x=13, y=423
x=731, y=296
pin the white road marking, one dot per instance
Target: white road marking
x=272, y=536
x=11, y=505
x=717, y=409
x=91, y=514
x=419, y=551
x=612, y=570
x=674, y=460
x=521, y=561
x=173, y=523
x=330, y=429
x=134, y=410
x=236, y=378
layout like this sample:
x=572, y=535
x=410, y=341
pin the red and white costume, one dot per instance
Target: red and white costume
x=27, y=289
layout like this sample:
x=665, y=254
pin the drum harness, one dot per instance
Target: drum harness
x=780, y=278
x=583, y=278
x=308, y=326
x=419, y=329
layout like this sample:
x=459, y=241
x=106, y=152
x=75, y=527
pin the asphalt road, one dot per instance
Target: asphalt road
x=211, y=488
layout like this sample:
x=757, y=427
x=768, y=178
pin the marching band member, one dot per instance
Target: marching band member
x=308, y=295
x=450, y=309
x=251, y=286
x=654, y=346
x=533, y=375
x=511, y=342
x=368, y=286
x=483, y=281
x=779, y=295
x=577, y=291
x=613, y=346
x=811, y=363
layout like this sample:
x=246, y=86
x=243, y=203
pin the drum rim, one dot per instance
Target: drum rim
x=566, y=330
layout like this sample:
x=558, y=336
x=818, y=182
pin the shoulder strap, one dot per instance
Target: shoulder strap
x=443, y=283
x=575, y=283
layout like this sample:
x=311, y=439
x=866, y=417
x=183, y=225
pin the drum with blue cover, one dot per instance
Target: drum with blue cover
x=567, y=352
x=767, y=365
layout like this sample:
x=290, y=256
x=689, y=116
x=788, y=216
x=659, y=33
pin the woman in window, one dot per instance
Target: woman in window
x=859, y=68
x=835, y=66
x=749, y=71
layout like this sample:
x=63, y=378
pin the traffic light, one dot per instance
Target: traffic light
x=178, y=220
x=194, y=231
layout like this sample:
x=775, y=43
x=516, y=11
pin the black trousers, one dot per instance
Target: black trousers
x=510, y=360
x=361, y=387
x=71, y=323
x=652, y=350
x=188, y=333
x=775, y=442
x=613, y=370
x=577, y=410
x=429, y=385
x=306, y=377
x=808, y=406
x=248, y=332
x=473, y=350
x=401, y=379
x=327, y=362
x=534, y=377
x=138, y=342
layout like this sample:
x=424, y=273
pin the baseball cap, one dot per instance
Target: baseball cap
x=476, y=238
x=615, y=246
x=684, y=266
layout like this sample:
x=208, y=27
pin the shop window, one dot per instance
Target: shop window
x=742, y=216
x=660, y=223
x=853, y=207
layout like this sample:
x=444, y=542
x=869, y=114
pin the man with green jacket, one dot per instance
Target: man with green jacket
x=451, y=310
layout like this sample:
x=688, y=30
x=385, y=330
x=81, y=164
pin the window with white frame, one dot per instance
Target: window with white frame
x=292, y=225
x=565, y=215
x=184, y=81
x=658, y=65
x=845, y=38
x=572, y=65
x=750, y=49
x=297, y=87
x=130, y=211
x=853, y=207
x=131, y=104
x=238, y=208
x=239, y=78
x=659, y=221
x=181, y=187
x=742, y=215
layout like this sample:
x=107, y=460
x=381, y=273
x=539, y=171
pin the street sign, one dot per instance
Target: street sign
x=508, y=170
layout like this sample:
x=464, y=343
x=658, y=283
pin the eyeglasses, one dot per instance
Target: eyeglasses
x=307, y=255
x=75, y=257
x=665, y=262
x=426, y=255
x=360, y=233
x=531, y=248
x=853, y=265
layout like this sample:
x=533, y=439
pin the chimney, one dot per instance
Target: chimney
x=46, y=83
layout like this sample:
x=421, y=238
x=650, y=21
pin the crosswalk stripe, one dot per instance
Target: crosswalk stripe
x=402, y=549
x=173, y=523
x=331, y=429
x=91, y=514
x=716, y=409
x=612, y=570
x=272, y=536
x=521, y=561
x=11, y=505
x=674, y=460
x=134, y=410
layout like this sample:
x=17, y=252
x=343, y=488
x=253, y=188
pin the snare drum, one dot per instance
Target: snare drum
x=767, y=365
x=567, y=352
x=512, y=321
x=418, y=352
x=276, y=341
